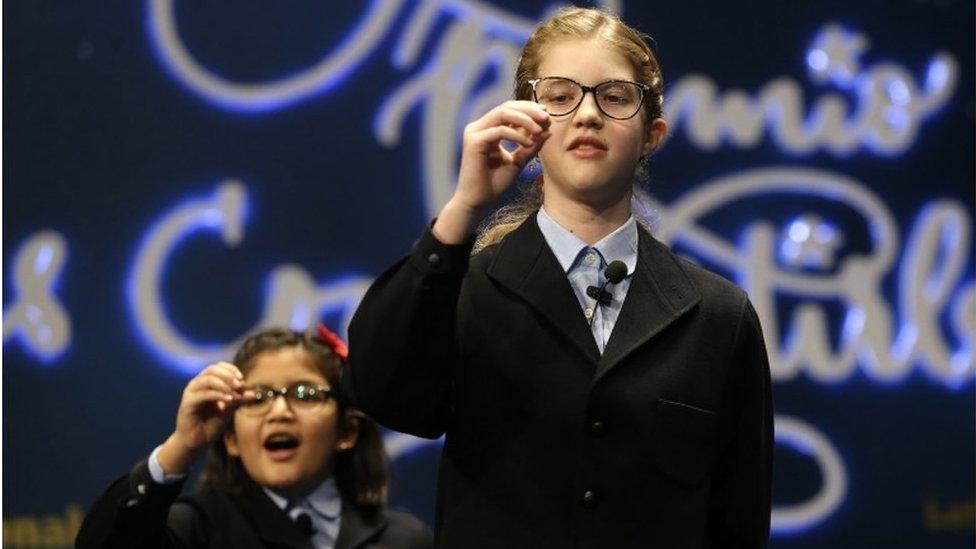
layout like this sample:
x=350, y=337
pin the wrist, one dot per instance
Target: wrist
x=457, y=222
x=175, y=457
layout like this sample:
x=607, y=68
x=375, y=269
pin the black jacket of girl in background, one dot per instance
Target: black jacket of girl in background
x=135, y=512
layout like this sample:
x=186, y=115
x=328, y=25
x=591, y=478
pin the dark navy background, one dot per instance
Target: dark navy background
x=100, y=141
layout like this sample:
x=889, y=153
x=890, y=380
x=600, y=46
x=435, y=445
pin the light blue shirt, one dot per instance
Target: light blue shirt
x=323, y=506
x=584, y=266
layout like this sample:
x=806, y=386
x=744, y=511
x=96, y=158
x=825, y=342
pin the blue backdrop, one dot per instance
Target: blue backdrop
x=177, y=174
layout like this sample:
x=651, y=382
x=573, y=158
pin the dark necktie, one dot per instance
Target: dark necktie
x=304, y=523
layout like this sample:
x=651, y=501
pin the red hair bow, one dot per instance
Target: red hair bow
x=332, y=340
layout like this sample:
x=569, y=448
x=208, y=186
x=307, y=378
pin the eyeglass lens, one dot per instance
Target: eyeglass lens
x=562, y=96
x=301, y=397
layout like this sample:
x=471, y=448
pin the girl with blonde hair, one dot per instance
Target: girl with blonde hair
x=595, y=389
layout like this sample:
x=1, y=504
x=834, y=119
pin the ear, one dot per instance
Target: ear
x=230, y=442
x=657, y=130
x=349, y=433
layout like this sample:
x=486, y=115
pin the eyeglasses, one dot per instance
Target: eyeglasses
x=618, y=99
x=302, y=397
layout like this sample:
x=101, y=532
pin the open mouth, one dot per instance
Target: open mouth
x=281, y=446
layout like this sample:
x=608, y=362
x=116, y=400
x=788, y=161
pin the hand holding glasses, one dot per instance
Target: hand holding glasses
x=207, y=401
x=487, y=168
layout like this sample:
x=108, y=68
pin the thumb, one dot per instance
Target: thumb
x=523, y=155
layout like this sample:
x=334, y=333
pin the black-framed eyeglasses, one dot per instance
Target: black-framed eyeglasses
x=302, y=397
x=618, y=99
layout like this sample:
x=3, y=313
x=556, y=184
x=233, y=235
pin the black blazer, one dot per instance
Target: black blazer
x=136, y=512
x=663, y=441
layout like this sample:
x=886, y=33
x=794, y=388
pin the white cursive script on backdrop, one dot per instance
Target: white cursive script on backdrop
x=885, y=118
x=886, y=345
x=930, y=279
x=37, y=315
x=293, y=299
x=890, y=103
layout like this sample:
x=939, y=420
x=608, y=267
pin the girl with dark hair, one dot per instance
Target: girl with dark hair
x=596, y=390
x=305, y=470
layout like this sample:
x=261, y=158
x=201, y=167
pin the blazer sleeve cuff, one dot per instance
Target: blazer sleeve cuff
x=431, y=256
x=143, y=491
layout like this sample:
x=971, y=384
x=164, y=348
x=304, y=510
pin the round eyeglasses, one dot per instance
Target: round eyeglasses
x=618, y=99
x=302, y=397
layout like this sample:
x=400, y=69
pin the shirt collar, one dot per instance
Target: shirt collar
x=620, y=245
x=324, y=500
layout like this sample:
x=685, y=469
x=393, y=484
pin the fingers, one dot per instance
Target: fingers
x=229, y=369
x=525, y=123
x=214, y=382
x=493, y=135
x=220, y=382
x=206, y=396
x=523, y=155
x=520, y=119
x=239, y=399
x=487, y=167
x=528, y=115
x=225, y=372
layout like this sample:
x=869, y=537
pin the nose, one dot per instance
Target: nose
x=588, y=113
x=280, y=409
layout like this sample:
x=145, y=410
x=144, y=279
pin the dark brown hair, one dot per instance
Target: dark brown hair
x=360, y=472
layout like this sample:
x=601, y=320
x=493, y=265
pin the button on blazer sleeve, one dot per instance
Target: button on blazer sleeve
x=136, y=512
x=739, y=511
x=402, y=339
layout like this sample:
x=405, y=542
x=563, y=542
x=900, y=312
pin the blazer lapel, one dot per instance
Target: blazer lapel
x=526, y=266
x=358, y=527
x=271, y=524
x=659, y=294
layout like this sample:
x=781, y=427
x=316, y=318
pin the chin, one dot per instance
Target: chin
x=293, y=480
x=595, y=188
x=281, y=481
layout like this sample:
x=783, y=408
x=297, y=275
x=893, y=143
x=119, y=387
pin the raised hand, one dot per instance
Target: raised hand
x=487, y=169
x=207, y=402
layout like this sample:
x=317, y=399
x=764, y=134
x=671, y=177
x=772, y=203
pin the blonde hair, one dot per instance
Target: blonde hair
x=578, y=23
x=582, y=23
